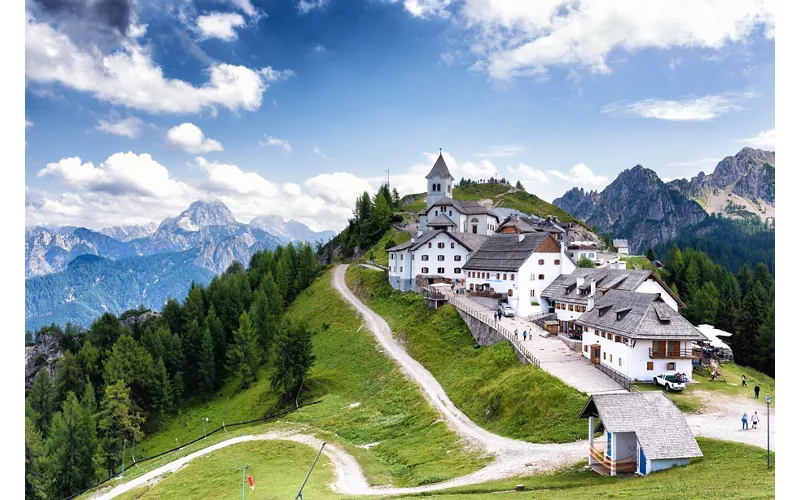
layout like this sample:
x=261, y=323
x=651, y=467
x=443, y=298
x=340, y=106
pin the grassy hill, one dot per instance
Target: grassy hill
x=367, y=400
x=488, y=384
x=500, y=196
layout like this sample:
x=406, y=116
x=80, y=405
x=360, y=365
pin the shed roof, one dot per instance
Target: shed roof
x=505, y=252
x=660, y=427
x=638, y=316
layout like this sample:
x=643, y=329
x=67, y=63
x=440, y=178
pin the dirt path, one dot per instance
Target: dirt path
x=721, y=418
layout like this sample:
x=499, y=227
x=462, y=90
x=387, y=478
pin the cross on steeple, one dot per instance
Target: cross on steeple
x=440, y=151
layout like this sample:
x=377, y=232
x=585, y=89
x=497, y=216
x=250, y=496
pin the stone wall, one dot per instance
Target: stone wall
x=485, y=335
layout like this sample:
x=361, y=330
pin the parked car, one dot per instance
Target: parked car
x=670, y=382
x=598, y=262
x=507, y=310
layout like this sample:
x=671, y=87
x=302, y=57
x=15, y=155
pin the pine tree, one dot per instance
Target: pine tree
x=130, y=363
x=518, y=185
x=89, y=359
x=750, y=322
x=262, y=325
x=206, y=369
x=69, y=376
x=243, y=352
x=704, y=305
x=119, y=420
x=105, y=331
x=194, y=339
x=691, y=279
x=160, y=393
x=173, y=315
x=41, y=398
x=651, y=255
x=291, y=361
x=70, y=449
x=766, y=343
x=36, y=486
x=194, y=308
x=763, y=276
x=219, y=341
x=745, y=279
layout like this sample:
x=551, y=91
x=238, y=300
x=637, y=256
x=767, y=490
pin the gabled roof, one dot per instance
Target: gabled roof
x=660, y=427
x=441, y=220
x=638, y=316
x=470, y=242
x=505, y=252
x=605, y=280
x=439, y=169
x=467, y=207
x=527, y=224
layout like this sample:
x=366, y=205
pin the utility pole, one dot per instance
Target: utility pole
x=124, y=442
x=300, y=493
x=244, y=468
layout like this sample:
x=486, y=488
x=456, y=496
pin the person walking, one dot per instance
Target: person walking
x=744, y=381
x=757, y=389
x=516, y=334
x=754, y=419
x=495, y=315
x=524, y=335
x=744, y=421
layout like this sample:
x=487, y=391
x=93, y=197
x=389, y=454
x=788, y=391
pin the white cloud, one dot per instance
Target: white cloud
x=28, y=123
x=694, y=163
x=245, y=6
x=220, y=25
x=273, y=75
x=514, y=38
x=764, y=139
x=120, y=174
x=687, y=109
x=319, y=48
x=130, y=77
x=319, y=153
x=128, y=127
x=529, y=176
x=189, y=137
x=274, y=141
x=502, y=152
x=306, y=6
x=582, y=175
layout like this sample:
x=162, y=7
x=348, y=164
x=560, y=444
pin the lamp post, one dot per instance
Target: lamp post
x=768, y=400
x=244, y=468
x=204, y=419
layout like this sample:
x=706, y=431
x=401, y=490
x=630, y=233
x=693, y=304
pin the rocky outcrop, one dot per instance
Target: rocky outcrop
x=45, y=353
x=637, y=206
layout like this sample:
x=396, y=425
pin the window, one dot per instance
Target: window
x=570, y=307
x=620, y=361
x=391, y=256
x=401, y=256
x=440, y=258
x=604, y=355
x=597, y=333
x=424, y=270
x=440, y=244
x=457, y=270
x=424, y=257
x=457, y=258
x=401, y=269
x=670, y=366
x=474, y=220
x=452, y=245
x=533, y=277
x=585, y=328
x=505, y=276
x=532, y=293
x=610, y=358
x=557, y=262
x=440, y=270
x=541, y=276
x=586, y=348
x=617, y=338
x=650, y=365
x=512, y=277
x=510, y=292
x=451, y=213
x=498, y=276
x=429, y=244
x=541, y=262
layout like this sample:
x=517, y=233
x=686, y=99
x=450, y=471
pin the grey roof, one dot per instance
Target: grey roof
x=440, y=169
x=564, y=289
x=620, y=243
x=505, y=252
x=527, y=224
x=638, y=316
x=441, y=220
x=660, y=427
x=469, y=241
x=472, y=241
x=469, y=207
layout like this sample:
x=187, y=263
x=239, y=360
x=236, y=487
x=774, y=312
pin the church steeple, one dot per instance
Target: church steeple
x=440, y=182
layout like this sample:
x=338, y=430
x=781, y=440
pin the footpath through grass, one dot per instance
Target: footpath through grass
x=727, y=470
x=488, y=384
x=277, y=467
x=367, y=400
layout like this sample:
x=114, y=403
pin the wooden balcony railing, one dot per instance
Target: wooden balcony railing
x=673, y=353
x=598, y=454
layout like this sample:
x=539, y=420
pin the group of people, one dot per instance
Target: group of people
x=753, y=420
x=524, y=335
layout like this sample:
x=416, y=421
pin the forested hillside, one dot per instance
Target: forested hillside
x=123, y=378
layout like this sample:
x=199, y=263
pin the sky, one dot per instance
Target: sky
x=136, y=108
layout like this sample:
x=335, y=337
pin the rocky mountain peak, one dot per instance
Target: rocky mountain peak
x=201, y=214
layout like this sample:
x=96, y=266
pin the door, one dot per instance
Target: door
x=642, y=462
x=596, y=354
x=474, y=229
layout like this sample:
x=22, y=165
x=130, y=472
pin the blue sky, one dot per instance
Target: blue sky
x=294, y=108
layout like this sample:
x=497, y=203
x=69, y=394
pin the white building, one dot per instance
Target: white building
x=436, y=252
x=621, y=246
x=578, y=249
x=571, y=295
x=638, y=335
x=644, y=432
x=518, y=267
x=466, y=216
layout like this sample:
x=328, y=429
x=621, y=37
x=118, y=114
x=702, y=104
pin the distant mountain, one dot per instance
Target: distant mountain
x=91, y=285
x=290, y=230
x=128, y=233
x=639, y=206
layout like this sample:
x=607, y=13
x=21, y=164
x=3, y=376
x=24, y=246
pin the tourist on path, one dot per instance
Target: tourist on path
x=495, y=315
x=744, y=381
x=755, y=419
x=757, y=388
x=516, y=334
x=524, y=335
x=744, y=422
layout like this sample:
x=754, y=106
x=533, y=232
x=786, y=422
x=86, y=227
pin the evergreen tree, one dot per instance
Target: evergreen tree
x=729, y=303
x=519, y=185
x=130, y=363
x=585, y=262
x=41, y=398
x=105, y=331
x=291, y=360
x=395, y=198
x=262, y=322
x=745, y=279
x=675, y=263
x=89, y=359
x=69, y=376
x=36, y=486
x=206, y=380
x=194, y=308
x=651, y=255
x=763, y=276
x=160, y=393
x=119, y=420
x=691, y=278
x=750, y=322
x=243, y=355
x=766, y=343
x=193, y=353
x=219, y=342
x=70, y=448
x=173, y=315
x=705, y=304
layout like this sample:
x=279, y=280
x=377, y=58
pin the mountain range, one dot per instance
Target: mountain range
x=75, y=274
x=647, y=211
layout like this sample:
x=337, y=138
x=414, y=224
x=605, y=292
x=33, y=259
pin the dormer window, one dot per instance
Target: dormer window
x=601, y=311
x=621, y=313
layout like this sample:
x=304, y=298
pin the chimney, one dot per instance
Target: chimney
x=594, y=288
x=579, y=280
x=521, y=236
x=590, y=304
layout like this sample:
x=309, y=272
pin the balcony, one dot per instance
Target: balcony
x=604, y=465
x=674, y=353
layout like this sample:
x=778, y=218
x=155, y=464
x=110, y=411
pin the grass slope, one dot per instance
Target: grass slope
x=727, y=470
x=488, y=384
x=415, y=448
x=379, y=250
x=277, y=467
